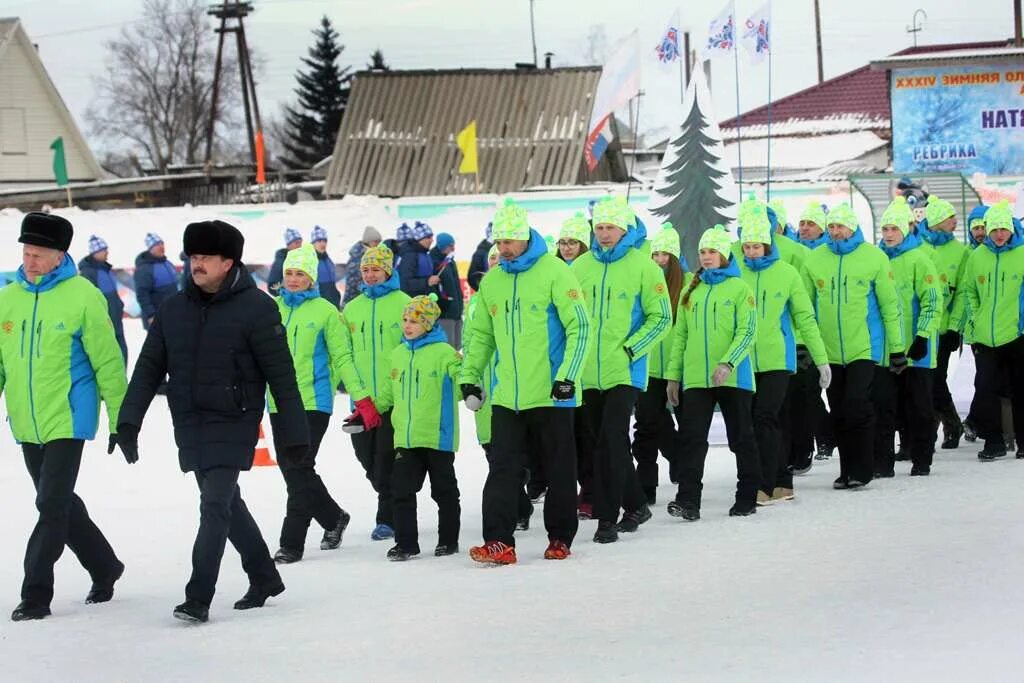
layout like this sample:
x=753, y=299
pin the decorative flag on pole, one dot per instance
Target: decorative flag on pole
x=722, y=33
x=756, y=34
x=466, y=140
x=261, y=159
x=620, y=82
x=60, y=167
x=668, y=50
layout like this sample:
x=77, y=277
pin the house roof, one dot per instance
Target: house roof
x=397, y=137
x=952, y=58
x=863, y=92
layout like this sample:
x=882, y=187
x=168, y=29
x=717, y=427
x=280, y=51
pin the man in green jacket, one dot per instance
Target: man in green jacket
x=628, y=304
x=994, y=285
x=950, y=256
x=58, y=358
x=909, y=393
x=531, y=313
x=851, y=286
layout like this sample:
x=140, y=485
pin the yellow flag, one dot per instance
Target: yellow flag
x=466, y=141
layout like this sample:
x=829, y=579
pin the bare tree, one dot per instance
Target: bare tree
x=153, y=101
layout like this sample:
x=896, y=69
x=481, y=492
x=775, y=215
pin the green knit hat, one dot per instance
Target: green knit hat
x=898, y=213
x=938, y=210
x=615, y=211
x=718, y=239
x=814, y=213
x=781, y=215
x=552, y=244
x=510, y=222
x=843, y=215
x=576, y=228
x=304, y=258
x=756, y=226
x=751, y=203
x=667, y=240
x=999, y=217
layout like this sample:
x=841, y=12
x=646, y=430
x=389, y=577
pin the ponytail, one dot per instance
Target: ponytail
x=674, y=281
x=693, y=285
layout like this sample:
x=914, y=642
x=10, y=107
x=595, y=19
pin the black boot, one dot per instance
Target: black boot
x=256, y=596
x=920, y=471
x=952, y=428
x=287, y=556
x=399, y=554
x=687, y=511
x=332, y=537
x=631, y=521
x=992, y=450
x=103, y=591
x=606, y=533
x=970, y=432
x=743, y=509
x=445, y=549
x=28, y=611
x=192, y=611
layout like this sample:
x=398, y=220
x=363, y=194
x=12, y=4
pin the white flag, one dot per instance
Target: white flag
x=757, y=34
x=620, y=82
x=668, y=49
x=721, y=33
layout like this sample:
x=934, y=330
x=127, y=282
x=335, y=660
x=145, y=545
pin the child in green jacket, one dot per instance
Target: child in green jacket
x=421, y=389
x=371, y=328
x=921, y=300
x=716, y=326
x=783, y=312
x=314, y=339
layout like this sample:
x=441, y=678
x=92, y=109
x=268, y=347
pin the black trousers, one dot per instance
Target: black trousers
x=586, y=444
x=615, y=483
x=412, y=466
x=224, y=517
x=63, y=520
x=915, y=404
x=853, y=418
x=884, y=398
x=525, y=505
x=999, y=368
x=549, y=430
x=375, y=450
x=802, y=414
x=308, y=498
x=771, y=425
x=654, y=432
x=698, y=409
x=949, y=342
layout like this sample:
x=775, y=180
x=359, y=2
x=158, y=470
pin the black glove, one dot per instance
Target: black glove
x=897, y=363
x=803, y=357
x=353, y=424
x=473, y=396
x=296, y=456
x=127, y=439
x=562, y=390
x=919, y=349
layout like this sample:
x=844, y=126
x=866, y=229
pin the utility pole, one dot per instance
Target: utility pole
x=1017, y=40
x=817, y=36
x=235, y=10
x=533, y=34
x=687, y=56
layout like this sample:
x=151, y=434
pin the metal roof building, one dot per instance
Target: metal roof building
x=397, y=137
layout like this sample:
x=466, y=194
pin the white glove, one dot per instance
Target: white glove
x=474, y=403
x=824, y=376
x=672, y=393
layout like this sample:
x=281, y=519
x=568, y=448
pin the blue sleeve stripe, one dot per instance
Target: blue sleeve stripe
x=654, y=332
x=579, y=353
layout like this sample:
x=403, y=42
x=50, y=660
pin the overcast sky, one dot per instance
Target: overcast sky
x=496, y=33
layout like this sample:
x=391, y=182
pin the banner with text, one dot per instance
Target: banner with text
x=965, y=118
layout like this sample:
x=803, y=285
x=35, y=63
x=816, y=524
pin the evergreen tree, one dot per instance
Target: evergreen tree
x=377, y=62
x=312, y=126
x=693, y=181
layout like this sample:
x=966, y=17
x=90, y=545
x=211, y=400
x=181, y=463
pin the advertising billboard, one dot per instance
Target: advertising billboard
x=963, y=118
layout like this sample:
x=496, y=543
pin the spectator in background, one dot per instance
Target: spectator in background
x=186, y=270
x=96, y=269
x=155, y=278
x=353, y=276
x=478, y=264
x=450, y=297
x=415, y=269
x=292, y=240
x=327, y=276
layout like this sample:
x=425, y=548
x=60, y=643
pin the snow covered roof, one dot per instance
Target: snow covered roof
x=805, y=152
x=990, y=54
x=837, y=123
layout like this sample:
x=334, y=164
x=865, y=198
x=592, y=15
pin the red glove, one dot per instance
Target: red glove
x=368, y=412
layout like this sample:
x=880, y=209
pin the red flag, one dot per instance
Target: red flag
x=261, y=162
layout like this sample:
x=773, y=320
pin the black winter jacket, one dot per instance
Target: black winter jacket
x=478, y=264
x=449, y=297
x=220, y=353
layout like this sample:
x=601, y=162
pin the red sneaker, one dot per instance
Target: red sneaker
x=585, y=511
x=557, y=551
x=493, y=552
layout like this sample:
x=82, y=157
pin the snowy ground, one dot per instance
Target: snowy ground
x=912, y=579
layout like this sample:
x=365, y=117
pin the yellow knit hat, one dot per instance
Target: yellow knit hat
x=424, y=310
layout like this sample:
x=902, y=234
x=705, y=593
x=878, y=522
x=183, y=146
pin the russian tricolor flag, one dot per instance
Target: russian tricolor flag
x=620, y=82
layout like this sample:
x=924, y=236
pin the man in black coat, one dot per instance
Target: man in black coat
x=415, y=269
x=221, y=342
x=478, y=264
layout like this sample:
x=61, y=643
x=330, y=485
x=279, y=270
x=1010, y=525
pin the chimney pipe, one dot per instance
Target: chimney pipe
x=547, y=59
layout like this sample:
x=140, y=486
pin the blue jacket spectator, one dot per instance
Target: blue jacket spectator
x=415, y=267
x=97, y=270
x=155, y=278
